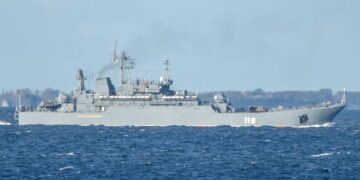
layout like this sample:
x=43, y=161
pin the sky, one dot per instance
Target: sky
x=211, y=44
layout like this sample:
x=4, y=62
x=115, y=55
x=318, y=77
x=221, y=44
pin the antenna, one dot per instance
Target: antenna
x=343, y=100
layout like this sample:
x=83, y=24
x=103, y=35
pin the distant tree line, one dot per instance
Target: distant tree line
x=257, y=97
x=26, y=97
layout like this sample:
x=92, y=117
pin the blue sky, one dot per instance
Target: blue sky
x=212, y=45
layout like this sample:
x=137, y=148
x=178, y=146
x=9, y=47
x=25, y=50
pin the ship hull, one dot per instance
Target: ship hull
x=200, y=116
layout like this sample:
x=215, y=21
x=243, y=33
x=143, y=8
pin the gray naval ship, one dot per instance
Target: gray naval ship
x=154, y=103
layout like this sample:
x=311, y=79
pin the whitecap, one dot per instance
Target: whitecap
x=2, y=123
x=322, y=154
x=43, y=155
x=67, y=167
x=70, y=154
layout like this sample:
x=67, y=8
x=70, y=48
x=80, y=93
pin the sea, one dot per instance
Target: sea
x=330, y=151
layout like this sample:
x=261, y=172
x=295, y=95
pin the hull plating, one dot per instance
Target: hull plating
x=183, y=116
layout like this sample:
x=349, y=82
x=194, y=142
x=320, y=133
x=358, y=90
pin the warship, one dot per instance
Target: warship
x=153, y=103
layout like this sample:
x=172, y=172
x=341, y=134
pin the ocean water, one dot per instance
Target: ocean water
x=97, y=152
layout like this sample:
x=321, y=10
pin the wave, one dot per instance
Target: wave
x=67, y=167
x=322, y=154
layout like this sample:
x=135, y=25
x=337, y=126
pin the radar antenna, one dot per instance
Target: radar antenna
x=126, y=64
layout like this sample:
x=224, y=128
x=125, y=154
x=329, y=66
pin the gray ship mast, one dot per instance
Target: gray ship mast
x=165, y=80
x=167, y=69
x=126, y=64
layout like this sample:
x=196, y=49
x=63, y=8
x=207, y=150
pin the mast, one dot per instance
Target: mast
x=165, y=80
x=126, y=64
x=167, y=69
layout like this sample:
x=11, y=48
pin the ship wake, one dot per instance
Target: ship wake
x=325, y=125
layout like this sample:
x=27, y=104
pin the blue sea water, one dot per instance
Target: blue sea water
x=96, y=152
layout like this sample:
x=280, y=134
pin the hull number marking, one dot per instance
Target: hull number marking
x=250, y=120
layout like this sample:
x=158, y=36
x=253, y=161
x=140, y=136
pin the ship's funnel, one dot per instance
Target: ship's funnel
x=80, y=81
x=104, y=87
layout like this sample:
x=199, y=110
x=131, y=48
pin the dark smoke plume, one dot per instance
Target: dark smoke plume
x=107, y=68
